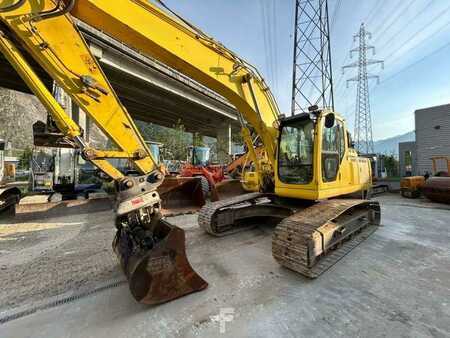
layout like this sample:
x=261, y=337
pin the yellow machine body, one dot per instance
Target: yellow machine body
x=410, y=187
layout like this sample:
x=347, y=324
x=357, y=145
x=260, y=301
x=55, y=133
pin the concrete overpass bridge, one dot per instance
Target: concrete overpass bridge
x=151, y=91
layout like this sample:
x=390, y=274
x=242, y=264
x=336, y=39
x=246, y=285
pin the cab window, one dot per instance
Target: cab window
x=333, y=150
x=296, y=152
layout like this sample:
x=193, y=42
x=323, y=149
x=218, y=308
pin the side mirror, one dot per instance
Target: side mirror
x=329, y=120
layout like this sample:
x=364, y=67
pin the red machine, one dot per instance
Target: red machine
x=437, y=187
x=199, y=165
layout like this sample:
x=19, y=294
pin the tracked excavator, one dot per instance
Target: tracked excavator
x=309, y=161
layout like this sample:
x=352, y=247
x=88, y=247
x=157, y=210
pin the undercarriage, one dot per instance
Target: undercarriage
x=309, y=237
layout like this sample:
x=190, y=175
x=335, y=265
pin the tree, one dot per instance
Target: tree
x=25, y=158
x=197, y=140
x=391, y=165
x=175, y=140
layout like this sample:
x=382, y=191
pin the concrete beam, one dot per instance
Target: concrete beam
x=151, y=91
x=224, y=143
x=175, y=88
x=193, y=100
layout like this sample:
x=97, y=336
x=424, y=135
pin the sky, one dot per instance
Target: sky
x=411, y=36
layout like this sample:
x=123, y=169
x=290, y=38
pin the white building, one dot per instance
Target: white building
x=432, y=139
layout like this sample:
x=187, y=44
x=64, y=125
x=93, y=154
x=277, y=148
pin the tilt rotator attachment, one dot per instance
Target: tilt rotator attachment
x=151, y=251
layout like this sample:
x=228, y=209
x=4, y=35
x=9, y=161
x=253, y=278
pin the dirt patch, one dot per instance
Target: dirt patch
x=18, y=241
x=45, y=259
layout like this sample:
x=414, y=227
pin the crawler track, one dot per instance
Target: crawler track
x=206, y=215
x=312, y=240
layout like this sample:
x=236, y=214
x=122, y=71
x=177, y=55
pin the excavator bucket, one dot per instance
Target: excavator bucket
x=159, y=273
x=181, y=195
x=227, y=189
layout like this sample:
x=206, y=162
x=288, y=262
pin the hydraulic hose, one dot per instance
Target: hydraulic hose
x=55, y=12
x=12, y=7
x=43, y=15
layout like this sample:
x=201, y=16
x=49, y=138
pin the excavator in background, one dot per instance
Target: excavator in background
x=309, y=160
x=9, y=194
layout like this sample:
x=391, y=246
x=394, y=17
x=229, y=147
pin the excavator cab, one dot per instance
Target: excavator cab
x=199, y=156
x=313, y=158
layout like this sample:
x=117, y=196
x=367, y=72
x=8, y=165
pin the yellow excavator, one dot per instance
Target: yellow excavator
x=309, y=161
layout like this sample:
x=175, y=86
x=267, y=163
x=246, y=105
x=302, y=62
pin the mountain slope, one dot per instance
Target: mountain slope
x=18, y=112
x=389, y=146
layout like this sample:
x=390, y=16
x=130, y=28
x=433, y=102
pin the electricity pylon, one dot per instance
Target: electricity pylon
x=312, y=82
x=363, y=121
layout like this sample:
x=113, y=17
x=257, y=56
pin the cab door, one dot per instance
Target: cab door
x=333, y=149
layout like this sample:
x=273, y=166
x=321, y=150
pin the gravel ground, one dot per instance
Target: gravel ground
x=395, y=284
x=61, y=249
x=49, y=256
x=44, y=258
x=70, y=251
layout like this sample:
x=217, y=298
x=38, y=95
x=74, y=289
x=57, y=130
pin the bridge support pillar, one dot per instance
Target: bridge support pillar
x=224, y=143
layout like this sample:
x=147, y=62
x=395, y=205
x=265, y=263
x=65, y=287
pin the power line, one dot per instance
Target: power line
x=339, y=83
x=436, y=51
x=267, y=54
x=370, y=16
x=401, y=12
x=383, y=15
x=270, y=40
x=419, y=13
x=340, y=79
x=428, y=24
x=269, y=28
x=275, y=42
x=337, y=7
x=402, y=28
x=426, y=39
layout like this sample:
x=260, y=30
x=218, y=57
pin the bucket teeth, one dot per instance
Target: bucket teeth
x=160, y=273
